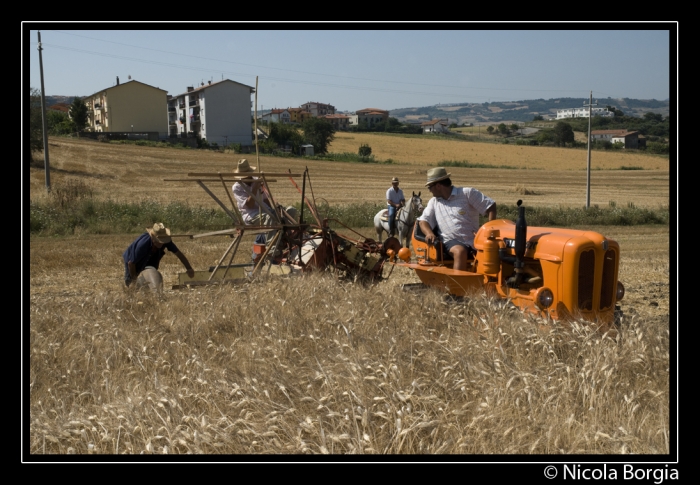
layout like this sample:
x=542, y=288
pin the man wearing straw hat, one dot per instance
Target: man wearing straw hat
x=394, y=200
x=455, y=211
x=148, y=249
x=245, y=191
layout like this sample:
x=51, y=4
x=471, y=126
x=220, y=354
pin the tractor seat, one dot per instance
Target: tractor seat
x=419, y=235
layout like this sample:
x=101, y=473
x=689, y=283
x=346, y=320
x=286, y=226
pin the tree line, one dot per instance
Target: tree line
x=57, y=122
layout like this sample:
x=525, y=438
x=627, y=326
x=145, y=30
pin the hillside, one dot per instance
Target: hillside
x=521, y=111
x=482, y=113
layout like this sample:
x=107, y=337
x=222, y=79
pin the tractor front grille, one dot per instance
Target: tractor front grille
x=586, y=272
x=607, y=287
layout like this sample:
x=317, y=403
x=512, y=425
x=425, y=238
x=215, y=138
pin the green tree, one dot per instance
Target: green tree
x=490, y=129
x=319, y=133
x=537, y=118
x=58, y=122
x=502, y=129
x=55, y=117
x=514, y=127
x=657, y=147
x=545, y=137
x=563, y=133
x=653, y=117
x=267, y=145
x=616, y=111
x=36, y=133
x=286, y=134
x=365, y=150
x=79, y=113
x=393, y=124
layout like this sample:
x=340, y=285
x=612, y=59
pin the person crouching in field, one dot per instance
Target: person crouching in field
x=144, y=254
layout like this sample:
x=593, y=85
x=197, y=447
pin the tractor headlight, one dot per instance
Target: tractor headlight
x=620, y=293
x=544, y=298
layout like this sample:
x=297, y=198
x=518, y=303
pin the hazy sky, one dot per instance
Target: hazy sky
x=359, y=66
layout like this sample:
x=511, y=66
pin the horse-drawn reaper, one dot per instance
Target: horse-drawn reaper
x=293, y=244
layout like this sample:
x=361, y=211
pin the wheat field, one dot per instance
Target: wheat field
x=317, y=365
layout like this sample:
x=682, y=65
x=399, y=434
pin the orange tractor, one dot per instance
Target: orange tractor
x=555, y=273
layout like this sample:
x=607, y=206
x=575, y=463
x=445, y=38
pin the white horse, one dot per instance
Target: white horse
x=405, y=218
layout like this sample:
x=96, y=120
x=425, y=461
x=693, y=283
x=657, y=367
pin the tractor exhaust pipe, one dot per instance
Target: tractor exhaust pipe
x=520, y=243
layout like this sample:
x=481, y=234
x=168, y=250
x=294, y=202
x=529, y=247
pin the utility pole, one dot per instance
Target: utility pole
x=588, y=166
x=43, y=119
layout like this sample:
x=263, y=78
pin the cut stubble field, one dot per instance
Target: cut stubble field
x=547, y=176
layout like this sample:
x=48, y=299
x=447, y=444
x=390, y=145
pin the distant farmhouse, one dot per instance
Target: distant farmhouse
x=435, y=126
x=629, y=139
x=339, y=122
x=583, y=112
x=370, y=116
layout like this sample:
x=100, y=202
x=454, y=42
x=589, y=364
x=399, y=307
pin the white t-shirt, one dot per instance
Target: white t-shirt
x=458, y=216
x=395, y=196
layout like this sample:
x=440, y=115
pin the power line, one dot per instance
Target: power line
x=310, y=83
x=179, y=54
x=284, y=80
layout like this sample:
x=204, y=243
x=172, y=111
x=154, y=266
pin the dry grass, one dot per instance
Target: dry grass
x=522, y=190
x=312, y=365
x=556, y=176
x=426, y=151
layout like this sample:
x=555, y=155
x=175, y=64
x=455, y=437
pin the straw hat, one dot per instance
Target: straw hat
x=395, y=179
x=244, y=166
x=160, y=233
x=436, y=174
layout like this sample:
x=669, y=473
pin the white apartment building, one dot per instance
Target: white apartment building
x=582, y=112
x=218, y=112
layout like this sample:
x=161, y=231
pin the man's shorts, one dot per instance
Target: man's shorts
x=471, y=252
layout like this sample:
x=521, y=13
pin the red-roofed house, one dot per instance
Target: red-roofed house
x=298, y=115
x=369, y=116
x=339, y=122
x=277, y=116
x=63, y=107
x=435, y=126
x=629, y=138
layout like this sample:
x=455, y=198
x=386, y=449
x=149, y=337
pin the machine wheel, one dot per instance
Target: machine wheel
x=391, y=243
